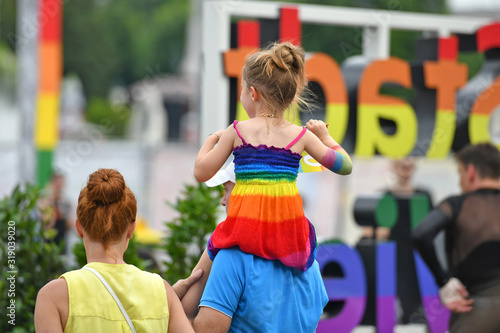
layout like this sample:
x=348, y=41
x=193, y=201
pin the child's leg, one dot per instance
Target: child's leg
x=191, y=300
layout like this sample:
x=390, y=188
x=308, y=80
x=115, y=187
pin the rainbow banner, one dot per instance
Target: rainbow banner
x=49, y=83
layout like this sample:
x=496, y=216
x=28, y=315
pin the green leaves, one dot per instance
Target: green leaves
x=199, y=208
x=112, y=120
x=119, y=42
x=36, y=260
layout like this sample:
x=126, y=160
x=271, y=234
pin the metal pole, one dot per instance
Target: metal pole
x=26, y=40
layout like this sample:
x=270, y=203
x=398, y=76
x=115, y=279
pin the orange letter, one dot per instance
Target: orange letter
x=372, y=106
x=322, y=69
x=480, y=114
x=446, y=77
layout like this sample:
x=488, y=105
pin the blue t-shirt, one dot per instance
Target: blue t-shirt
x=264, y=295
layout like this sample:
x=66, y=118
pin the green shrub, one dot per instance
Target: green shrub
x=35, y=260
x=199, y=208
x=112, y=120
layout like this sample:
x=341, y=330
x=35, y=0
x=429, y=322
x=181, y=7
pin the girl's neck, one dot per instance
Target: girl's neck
x=269, y=114
x=275, y=119
x=113, y=254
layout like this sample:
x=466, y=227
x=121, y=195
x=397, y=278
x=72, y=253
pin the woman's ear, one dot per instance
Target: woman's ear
x=79, y=228
x=255, y=94
x=131, y=229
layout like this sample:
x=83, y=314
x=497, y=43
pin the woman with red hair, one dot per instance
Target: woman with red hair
x=79, y=302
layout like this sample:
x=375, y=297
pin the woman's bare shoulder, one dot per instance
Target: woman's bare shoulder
x=52, y=307
x=55, y=289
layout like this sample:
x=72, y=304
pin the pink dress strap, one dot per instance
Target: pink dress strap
x=238, y=132
x=297, y=138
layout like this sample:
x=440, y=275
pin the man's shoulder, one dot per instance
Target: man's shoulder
x=452, y=205
x=234, y=258
x=455, y=197
x=233, y=253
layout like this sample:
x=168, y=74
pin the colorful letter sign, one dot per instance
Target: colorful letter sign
x=432, y=127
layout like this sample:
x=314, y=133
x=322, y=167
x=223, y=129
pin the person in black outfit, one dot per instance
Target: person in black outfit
x=470, y=285
x=403, y=191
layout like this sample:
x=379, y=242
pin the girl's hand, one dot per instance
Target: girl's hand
x=218, y=134
x=213, y=153
x=319, y=128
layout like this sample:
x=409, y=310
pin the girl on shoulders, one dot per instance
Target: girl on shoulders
x=265, y=215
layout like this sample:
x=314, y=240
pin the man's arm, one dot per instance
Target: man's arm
x=178, y=322
x=182, y=286
x=211, y=320
x=423, y=240
x=222, y=293
x=452, y=292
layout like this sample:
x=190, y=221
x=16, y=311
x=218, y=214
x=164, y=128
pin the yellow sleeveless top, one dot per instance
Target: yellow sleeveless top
x=93, y=309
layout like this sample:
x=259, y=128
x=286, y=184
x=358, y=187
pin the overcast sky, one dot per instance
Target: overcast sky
x=474, y=5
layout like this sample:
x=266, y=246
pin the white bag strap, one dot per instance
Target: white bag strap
x=122, y=309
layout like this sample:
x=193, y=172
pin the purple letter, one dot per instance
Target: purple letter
x=351, y=288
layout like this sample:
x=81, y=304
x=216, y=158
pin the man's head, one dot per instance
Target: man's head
x=224, y=177
x=478, y=165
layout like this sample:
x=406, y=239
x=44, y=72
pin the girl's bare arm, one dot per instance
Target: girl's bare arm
x=214, y=153
x=322, y=147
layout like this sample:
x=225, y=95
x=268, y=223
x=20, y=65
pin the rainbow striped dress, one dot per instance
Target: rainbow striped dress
x=265, y=215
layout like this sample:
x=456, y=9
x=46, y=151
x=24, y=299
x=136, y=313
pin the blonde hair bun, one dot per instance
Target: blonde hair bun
x=278, y=75
x=286, y=56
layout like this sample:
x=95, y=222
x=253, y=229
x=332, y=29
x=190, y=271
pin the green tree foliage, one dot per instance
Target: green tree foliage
x=122, y=41
x=36, y=261
x=198, y=209
x=8, y=66
x=91, y=49
x=8, y=12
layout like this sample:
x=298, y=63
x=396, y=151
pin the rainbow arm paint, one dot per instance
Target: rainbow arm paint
x=337, y=160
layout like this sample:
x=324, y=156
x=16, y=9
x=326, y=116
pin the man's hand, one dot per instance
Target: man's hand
x=182, y=286
x=454, y=295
